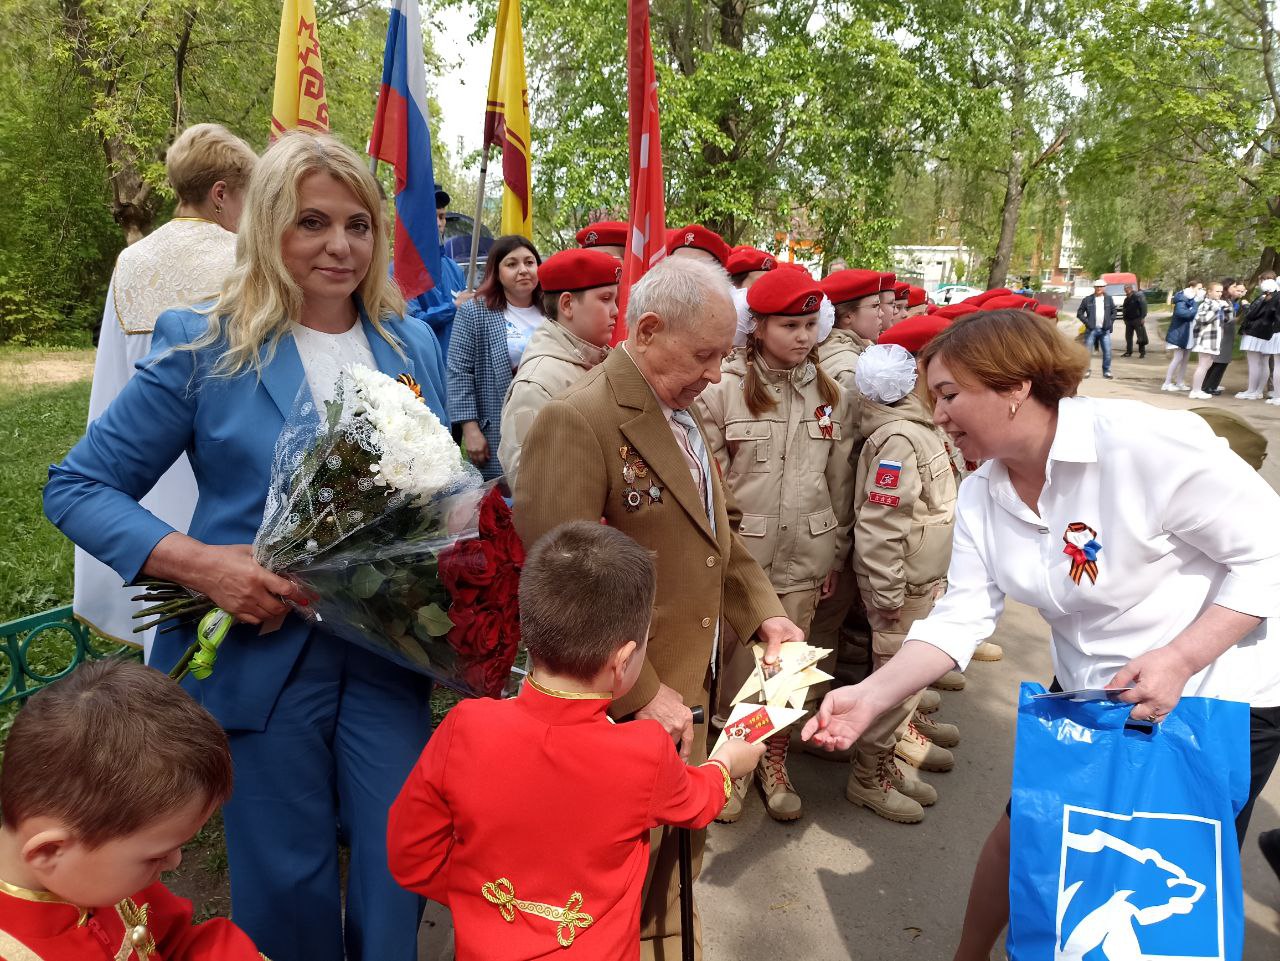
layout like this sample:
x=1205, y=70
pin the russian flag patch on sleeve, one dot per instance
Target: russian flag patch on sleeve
x=887, y=474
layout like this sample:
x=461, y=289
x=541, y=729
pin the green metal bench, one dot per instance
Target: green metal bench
x=69, y=644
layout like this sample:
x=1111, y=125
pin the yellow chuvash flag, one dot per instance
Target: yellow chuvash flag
x=506, y=120
x=299, y=102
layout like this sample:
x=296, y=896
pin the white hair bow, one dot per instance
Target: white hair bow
x=886, y=373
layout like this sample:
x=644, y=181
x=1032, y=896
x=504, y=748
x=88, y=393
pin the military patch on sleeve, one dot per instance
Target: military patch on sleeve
x=887, y=474
x=888, y=500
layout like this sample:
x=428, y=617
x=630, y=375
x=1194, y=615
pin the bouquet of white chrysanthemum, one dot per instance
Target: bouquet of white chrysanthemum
x=373, y=512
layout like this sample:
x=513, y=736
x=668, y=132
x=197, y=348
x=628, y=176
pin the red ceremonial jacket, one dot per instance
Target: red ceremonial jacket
x=153, y=925
x=529, y=818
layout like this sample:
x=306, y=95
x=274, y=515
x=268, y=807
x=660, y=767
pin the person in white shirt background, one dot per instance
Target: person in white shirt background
x=1168, y=596
x=179, y=264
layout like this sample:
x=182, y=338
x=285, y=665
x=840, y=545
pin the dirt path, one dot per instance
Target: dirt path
x=24, y=369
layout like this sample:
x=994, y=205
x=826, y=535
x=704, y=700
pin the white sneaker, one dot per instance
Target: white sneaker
x=1181, y=387
x=1245, y=395
x=1171, y=387
x=1199, y=395
x=1274, y=402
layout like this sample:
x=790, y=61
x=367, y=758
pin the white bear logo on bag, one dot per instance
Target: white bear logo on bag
x=1140, y=887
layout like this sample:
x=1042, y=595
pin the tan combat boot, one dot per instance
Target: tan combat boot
x=914, y=788
x=939, y=732
x=951, y=681
x=930, y=701
x=871, y=785
x=918, y=751
x=780, y=798
x=732, y=809
x=988, y=651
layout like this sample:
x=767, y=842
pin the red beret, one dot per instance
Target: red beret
x=579, y=268
x=788, y=293
x=846, y=285
x=931, y=308
x=603, y=233
x=953, y=311
x=914, y=332
x=1047, y=310
x=916, y=296
x=901, y=290
x=1009, y=302
x=795, y=265
x=888, y=280
x=743, y=260
x=696, y=235
x=986, y=295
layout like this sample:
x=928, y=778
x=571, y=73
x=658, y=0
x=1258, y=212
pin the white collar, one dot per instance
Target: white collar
x=1074, y=441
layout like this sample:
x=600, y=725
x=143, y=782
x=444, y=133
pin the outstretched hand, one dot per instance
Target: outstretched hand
x=845, y=713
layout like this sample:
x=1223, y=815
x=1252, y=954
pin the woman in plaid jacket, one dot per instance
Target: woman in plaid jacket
x=489, y=335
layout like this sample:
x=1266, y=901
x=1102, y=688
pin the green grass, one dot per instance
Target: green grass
x=38, y=425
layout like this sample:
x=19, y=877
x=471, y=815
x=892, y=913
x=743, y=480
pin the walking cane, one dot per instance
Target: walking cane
x=685, y=840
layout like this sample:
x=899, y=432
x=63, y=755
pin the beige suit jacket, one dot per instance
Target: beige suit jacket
x=573, y=470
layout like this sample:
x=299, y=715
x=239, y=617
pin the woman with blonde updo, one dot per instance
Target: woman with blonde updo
x=322, y=733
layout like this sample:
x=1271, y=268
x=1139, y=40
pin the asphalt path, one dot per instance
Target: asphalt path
x=842, y=883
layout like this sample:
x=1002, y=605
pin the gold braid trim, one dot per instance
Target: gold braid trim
x=502, y=894
x=11, y=949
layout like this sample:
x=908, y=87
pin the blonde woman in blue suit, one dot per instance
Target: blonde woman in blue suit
x=322, y=733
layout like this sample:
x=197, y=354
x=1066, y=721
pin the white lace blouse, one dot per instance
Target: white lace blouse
x=326, y=356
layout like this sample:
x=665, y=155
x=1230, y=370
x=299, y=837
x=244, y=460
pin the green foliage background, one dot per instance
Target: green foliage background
x=853, y=124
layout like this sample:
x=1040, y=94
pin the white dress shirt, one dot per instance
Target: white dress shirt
x=1183, y=524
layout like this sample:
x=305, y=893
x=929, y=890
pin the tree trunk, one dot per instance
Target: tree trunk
x=1009, y=213
x=132, y=200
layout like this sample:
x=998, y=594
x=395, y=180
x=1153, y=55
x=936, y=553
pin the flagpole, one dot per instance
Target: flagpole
x=475, y=224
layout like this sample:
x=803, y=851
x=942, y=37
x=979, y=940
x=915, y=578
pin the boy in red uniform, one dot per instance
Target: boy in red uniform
x=530, y=818
x=107, y=774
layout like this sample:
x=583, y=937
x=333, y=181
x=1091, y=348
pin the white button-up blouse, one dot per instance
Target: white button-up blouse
x=1146, y=519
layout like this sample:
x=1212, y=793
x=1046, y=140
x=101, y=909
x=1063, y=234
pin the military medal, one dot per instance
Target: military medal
x=1083, y=548
x=823, y=413
x=634, y=469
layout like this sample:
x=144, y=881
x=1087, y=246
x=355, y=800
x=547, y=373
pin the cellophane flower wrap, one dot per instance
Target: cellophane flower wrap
x=398, y=543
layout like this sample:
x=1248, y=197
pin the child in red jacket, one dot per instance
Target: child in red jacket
x=530, y=818
x=107, y=774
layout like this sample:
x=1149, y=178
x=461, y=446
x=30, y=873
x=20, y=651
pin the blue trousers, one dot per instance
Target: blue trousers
x=1102, y=337
x=346, y=731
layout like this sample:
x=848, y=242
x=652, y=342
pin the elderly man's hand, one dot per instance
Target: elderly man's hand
x=774, y=632
x=669, y=710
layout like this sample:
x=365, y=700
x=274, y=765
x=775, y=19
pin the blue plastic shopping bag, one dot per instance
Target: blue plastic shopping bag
x=1123, y=843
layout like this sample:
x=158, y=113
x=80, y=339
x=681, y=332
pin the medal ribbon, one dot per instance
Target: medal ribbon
x=1084, y=560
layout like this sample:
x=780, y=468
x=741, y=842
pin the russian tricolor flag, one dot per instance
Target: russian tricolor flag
x=402, y=138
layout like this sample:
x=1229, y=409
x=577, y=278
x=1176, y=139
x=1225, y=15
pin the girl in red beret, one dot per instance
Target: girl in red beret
x=781, y=431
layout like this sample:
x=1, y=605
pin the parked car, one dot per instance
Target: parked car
x=954, y=293
x=457, y=242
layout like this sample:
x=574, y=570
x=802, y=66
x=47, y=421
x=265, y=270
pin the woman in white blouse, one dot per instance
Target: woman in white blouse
x=1168, y=593
x=490, y=333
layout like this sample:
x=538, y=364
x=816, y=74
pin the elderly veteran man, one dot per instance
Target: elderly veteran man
x=622, y=444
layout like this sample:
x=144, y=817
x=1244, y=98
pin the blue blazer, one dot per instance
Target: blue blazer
x=479, y=374
x=228, y=427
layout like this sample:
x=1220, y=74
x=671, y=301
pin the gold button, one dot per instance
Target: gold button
x=711, y=562
x=706, y=622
